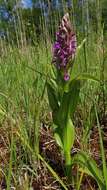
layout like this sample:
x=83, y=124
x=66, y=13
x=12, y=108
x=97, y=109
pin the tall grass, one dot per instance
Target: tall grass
x=23, y=99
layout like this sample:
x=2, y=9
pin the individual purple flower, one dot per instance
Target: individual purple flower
x=64, y=47
x=66, y=76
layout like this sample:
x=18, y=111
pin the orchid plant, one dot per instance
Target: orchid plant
x=63, y=89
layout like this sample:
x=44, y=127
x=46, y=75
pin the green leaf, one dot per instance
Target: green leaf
x=58, y=140
x=53, y=72
x=85, y=76
x=90, y=167
x=102, y=149
x=65, y=129
x=69, y=103
x=74, y=89
x=54, y=85
x=52, y=96
x=68, y=141
x=68, y=136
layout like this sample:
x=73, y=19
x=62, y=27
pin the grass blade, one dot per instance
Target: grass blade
x=102, y=149
x=42, y=159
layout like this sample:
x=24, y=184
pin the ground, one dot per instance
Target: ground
x=51, y=152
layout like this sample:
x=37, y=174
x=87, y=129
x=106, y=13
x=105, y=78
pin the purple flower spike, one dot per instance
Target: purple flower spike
x=65, y=46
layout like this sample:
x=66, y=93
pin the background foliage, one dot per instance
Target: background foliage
x=40, y=17
x=29, y=156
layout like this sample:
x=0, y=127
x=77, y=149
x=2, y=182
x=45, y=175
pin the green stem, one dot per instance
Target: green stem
x=68, y=164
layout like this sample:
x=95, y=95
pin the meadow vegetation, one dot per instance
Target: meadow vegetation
x=30, y=158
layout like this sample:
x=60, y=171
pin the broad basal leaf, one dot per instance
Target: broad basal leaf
x=68, y=136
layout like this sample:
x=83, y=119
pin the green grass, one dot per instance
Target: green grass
x=24, y=105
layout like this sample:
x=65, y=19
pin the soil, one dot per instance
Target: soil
x=51, y=153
